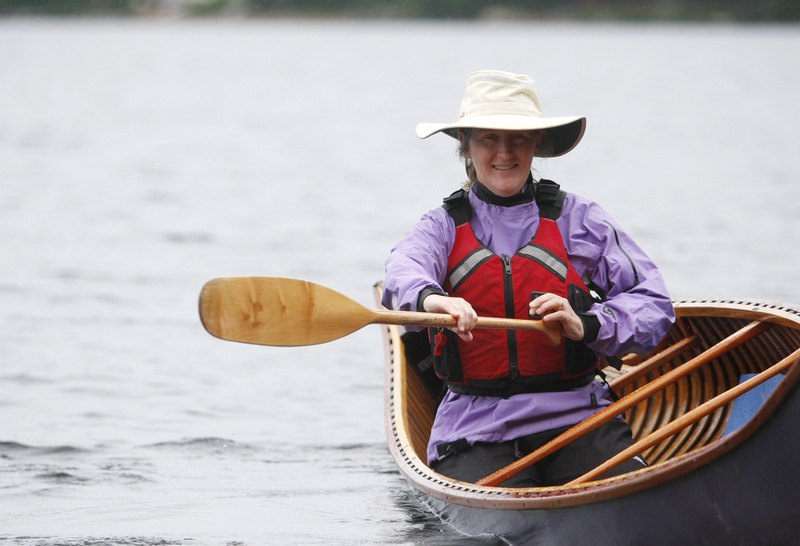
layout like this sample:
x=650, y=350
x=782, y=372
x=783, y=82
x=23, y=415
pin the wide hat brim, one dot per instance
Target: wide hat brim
x=562, y=134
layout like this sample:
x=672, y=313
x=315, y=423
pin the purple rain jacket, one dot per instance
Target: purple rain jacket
x=634, y=318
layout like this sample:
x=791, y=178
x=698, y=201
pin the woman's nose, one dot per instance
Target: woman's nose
x=504, y=146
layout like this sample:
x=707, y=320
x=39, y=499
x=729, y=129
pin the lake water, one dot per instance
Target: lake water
x=139, y=159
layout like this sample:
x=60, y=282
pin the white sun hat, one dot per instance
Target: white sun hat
x=506, y=101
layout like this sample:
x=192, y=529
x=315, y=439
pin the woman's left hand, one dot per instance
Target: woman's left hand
x=555, y=308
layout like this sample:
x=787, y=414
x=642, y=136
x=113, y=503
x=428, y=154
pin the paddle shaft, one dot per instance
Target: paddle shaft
x=688, y=418
x=618, y=408
x=443, y=320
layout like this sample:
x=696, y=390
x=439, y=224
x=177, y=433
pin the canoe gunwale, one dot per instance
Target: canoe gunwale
x=440, y=487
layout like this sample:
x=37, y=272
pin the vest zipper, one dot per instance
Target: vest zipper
x=508, y=289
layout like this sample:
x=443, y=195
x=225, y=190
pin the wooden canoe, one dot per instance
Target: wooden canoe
x=710, y=481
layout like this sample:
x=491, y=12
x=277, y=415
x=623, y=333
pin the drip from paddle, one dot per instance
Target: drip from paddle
x=285, y=312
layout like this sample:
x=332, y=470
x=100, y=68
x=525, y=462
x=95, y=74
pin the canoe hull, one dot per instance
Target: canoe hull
x=742, y=488
x=747, y=497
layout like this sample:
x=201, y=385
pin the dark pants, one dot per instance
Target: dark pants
x=566, y=464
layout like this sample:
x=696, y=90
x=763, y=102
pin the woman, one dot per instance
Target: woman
x=507, y=245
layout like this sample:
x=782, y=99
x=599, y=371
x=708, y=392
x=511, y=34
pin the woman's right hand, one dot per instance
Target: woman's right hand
x=458, y=308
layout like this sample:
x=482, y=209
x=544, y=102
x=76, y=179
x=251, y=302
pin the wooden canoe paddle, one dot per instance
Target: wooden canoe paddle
x=289, y=313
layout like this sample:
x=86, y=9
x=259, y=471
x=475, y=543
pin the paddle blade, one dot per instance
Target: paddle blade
x=278, y=311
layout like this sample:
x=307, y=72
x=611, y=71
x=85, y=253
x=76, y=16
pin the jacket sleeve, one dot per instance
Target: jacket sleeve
x=419, y=262
x=637, y=311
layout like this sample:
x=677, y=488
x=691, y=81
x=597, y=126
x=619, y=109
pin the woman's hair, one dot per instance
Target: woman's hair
x=542, y=139
x=463, y=148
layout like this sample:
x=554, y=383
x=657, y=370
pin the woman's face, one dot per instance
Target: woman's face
x=502, y=159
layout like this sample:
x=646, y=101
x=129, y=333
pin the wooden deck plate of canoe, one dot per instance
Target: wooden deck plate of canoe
x=704, y=485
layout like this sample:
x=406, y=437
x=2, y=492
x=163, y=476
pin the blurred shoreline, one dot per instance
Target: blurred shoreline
x=707, y=11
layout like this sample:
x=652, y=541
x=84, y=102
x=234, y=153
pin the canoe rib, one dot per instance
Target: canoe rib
x=410, y=407
x=687, y=418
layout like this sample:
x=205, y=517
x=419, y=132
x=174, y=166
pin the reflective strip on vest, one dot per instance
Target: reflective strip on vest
x=469, y=264
x=547, y=259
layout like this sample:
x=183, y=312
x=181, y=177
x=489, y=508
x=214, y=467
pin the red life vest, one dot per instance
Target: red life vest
x=507, y=362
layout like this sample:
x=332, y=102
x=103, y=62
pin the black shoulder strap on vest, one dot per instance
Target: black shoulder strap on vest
x=457, y=206
x=550, y=199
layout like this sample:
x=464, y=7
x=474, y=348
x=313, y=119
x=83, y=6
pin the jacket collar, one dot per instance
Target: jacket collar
x=525, y=196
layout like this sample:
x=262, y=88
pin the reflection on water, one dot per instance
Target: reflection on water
x=140, y=159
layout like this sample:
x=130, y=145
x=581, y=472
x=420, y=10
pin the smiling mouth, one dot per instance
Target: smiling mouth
x=504, y=168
